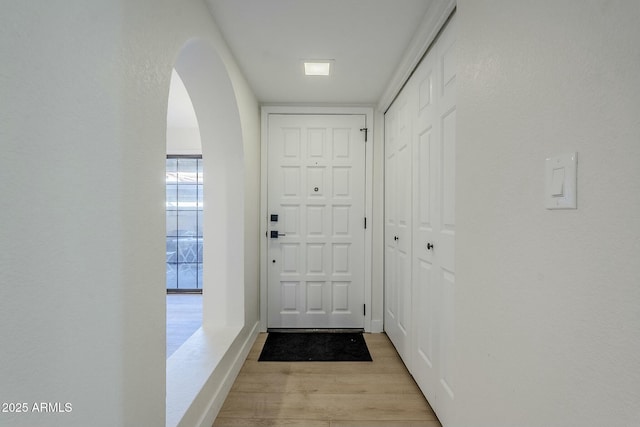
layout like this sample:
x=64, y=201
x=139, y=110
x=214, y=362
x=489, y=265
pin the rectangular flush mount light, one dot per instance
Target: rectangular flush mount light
x=317, y=68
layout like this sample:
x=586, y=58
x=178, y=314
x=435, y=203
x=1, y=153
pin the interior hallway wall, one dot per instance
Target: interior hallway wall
x=84, y=89
x=548, y=302
x=183, y=132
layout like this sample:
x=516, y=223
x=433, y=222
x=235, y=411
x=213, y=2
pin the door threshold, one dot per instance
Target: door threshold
x=318, y=330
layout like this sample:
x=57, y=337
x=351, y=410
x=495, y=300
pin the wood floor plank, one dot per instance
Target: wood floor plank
x=325, y=383
x=274, y=406
x=260, y=422
x=378, y=407
x=382, y=365
x=318, y=406
x=377, y=423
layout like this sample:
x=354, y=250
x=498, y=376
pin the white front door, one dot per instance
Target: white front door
x=316, y=209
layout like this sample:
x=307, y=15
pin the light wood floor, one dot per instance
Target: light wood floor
x=327, y=394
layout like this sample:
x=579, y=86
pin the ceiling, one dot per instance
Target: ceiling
x=365, y=38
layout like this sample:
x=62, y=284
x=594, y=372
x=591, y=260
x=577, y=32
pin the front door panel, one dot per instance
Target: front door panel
x=316, y=187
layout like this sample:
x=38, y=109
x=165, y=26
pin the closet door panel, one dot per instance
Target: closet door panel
x=398, y=216
x=426, y=217
x=420, y=229
x=444, y=232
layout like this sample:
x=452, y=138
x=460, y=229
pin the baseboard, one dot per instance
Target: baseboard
x=218, y=398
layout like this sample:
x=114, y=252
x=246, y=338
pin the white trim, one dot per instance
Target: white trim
x=377, y=326
x=435, y=18
x=368, y=113
x=264, y=135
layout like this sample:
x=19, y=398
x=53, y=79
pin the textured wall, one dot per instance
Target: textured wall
x=548, y=302
x=84, y=89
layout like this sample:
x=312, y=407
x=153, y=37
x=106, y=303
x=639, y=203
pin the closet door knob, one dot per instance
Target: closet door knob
x=395, y=238
x=430, y=246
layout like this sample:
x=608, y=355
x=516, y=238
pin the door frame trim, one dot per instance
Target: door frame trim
x=266, y=110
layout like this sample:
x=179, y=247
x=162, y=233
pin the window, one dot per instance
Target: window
x=184, y=223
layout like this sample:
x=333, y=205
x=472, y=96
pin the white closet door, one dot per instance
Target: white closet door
x=426, y=219
x=433, y=250
x=420, y=223
x=397, y=316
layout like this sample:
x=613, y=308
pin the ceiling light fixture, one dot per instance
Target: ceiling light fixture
x=317, y=68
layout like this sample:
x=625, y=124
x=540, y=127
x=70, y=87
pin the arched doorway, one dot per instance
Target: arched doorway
x=212, y=95
x=184, y=217
x=205, y=78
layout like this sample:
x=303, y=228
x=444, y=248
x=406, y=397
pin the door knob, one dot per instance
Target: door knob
x=430, y=246
x=275, y=234
x=396, y=238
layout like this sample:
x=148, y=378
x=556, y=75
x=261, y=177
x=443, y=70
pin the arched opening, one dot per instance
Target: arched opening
x=192, y=365
x=205, y=78
x=184, y=217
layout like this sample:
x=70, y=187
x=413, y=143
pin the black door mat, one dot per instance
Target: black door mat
x=314, y=347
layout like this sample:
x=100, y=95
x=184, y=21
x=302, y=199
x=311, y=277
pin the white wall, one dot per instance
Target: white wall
x=548, y=302
x=183, y=141
x=82, y=126
x=183, y=132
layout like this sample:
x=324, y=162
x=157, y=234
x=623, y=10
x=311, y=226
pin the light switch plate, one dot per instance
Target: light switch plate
x=561, y=181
